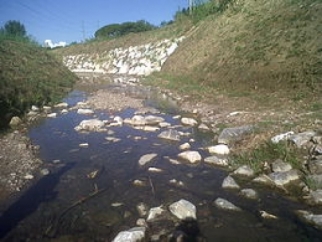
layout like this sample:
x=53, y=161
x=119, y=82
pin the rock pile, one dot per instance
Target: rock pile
x=136, y=60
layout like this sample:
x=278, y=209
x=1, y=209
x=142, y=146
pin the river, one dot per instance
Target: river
x=93, y=192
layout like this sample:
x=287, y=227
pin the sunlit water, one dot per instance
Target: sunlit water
x=59, y=207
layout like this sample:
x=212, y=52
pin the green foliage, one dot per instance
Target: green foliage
x=117, y=30
x=14, y=28
x=15, y=31
x=202, y=9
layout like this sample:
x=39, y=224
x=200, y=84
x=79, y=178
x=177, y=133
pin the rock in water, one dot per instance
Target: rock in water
x=230, y=183
x=315, y=219
x=154, y=213
x=135, y=234
x=249, y=193
x=85, y=111
x=183, y=209
x=146, y=159
x=170, y=134
x=226, y=205
x=90, y=125
x=191, y=156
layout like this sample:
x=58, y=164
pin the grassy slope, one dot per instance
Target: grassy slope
x=257, y=49
x=267, y=46
x=29, y=75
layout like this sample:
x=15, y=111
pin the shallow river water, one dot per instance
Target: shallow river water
x=70, y=205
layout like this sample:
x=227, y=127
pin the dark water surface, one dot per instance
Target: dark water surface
x=61, y=206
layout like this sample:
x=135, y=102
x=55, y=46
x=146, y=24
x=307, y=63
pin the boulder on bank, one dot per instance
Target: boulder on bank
x=229, y=135
x=15, y=121
x=284, y=178
x=221, y=149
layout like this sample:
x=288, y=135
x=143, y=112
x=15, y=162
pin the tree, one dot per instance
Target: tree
x=15, y=28
x=117, y=30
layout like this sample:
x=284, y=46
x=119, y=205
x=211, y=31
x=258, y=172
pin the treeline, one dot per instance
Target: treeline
x=200, y=9
x=117, y=30
x=16, y=31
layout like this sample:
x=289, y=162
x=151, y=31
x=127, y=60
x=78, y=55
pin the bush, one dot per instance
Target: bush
x=14, y=28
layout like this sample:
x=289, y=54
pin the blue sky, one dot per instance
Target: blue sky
x=68, y=21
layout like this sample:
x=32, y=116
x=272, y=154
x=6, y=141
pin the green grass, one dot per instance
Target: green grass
x=257, y=46
x=317, y=106
x=29, y=75
x=182, y=84
x=269, y=152
x=312, y=184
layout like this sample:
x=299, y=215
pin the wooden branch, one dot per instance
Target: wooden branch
x=52, y=228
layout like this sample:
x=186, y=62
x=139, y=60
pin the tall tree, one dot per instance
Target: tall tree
x=15, y=28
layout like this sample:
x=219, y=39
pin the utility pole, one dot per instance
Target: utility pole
x=83, y=30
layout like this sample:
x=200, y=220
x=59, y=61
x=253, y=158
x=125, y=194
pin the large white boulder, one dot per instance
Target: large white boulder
x=219, y=149
x=191, y=156
x=189, y=121
x=135, y=234
x=90, y=125
x=146, y=159
x=183, y=209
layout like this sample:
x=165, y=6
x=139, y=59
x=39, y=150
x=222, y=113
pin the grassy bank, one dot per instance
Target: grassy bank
x=255, y=47
x=28, y=75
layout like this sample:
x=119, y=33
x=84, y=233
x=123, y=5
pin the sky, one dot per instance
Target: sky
x=68, y=21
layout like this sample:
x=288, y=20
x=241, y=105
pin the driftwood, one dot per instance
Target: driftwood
x=52, y=228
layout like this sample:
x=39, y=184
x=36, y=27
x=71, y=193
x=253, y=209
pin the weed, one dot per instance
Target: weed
x=316, y=106
x=312, y=183
x=269, y=152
